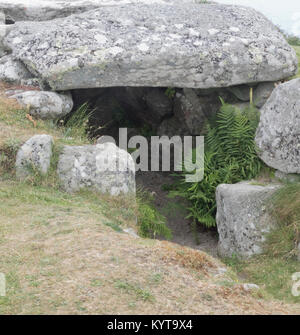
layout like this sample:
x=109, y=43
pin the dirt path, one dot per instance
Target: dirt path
x=175, y=212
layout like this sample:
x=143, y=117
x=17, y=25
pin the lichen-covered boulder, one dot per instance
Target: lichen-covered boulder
x=34, y=156
x=13, y=71
x=242, y=218
x=156, y=45
x=45, y=105
x=43, y=10
x=103, y=167
x=278, y=136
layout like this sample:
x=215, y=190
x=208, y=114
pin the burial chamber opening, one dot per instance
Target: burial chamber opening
x=150, y=111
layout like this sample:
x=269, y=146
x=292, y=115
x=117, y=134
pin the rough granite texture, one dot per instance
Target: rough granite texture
x=34, y=156
x=157, y=45
x=43, y=10
x=13, y=71
x=102, y=167
x=242, y=219
x=278, y=135
x=45, y=105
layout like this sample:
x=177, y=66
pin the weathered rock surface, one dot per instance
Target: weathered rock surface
x=13, y=71
x=278, y=136
x=173, y=126
x=242, y=92
x=188, y=109
x=287, y=177
x=155, y=45
x=242, y=219
x=34, y=156
x=43, y=10
x=262, y=93
x=102, y=167
x=3, y=32
x=45, y=105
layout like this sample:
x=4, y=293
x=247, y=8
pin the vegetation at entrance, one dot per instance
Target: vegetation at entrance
x=230, y=157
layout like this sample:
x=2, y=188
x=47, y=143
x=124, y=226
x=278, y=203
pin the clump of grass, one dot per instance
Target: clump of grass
x=151, y=223
x=141, y=294
x=50, y=179
x=284, y=206
x=8, y=153
x=76, y=125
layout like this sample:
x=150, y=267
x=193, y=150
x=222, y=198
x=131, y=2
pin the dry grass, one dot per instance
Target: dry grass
x=186, y=257
x=297, y=48
x=59, y=257
x=16, y=124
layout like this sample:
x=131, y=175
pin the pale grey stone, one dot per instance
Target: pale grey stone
x=262, y=93
x=242, y=92
x=2, y=18
x=154, y=45
x=131, y=232
x=250, y=287
x=278, y=136
x=43, y=10
x=287, y=177
x=103, y=167
x=13, y=71
x=45, y=105
x=242, y=218
x=34, y=156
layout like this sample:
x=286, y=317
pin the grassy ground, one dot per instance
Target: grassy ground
x=67, y=254
x=61, y=256
x=297, y=48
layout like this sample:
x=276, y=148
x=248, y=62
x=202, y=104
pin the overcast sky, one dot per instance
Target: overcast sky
x=285, y=13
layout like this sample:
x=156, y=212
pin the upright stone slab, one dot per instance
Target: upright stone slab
x=242, y=218
x=34, y=156
x=278, y=133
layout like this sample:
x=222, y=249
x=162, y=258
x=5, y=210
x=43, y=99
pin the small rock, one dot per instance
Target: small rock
x=34, y=155
x=45, y=105
x=131, y=232
x=262, y=93
x=250, y=287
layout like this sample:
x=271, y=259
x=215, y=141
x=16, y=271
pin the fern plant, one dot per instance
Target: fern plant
x=230, y=157
x=151, y=223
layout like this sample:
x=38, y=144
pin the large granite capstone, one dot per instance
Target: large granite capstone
x=157, y=45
